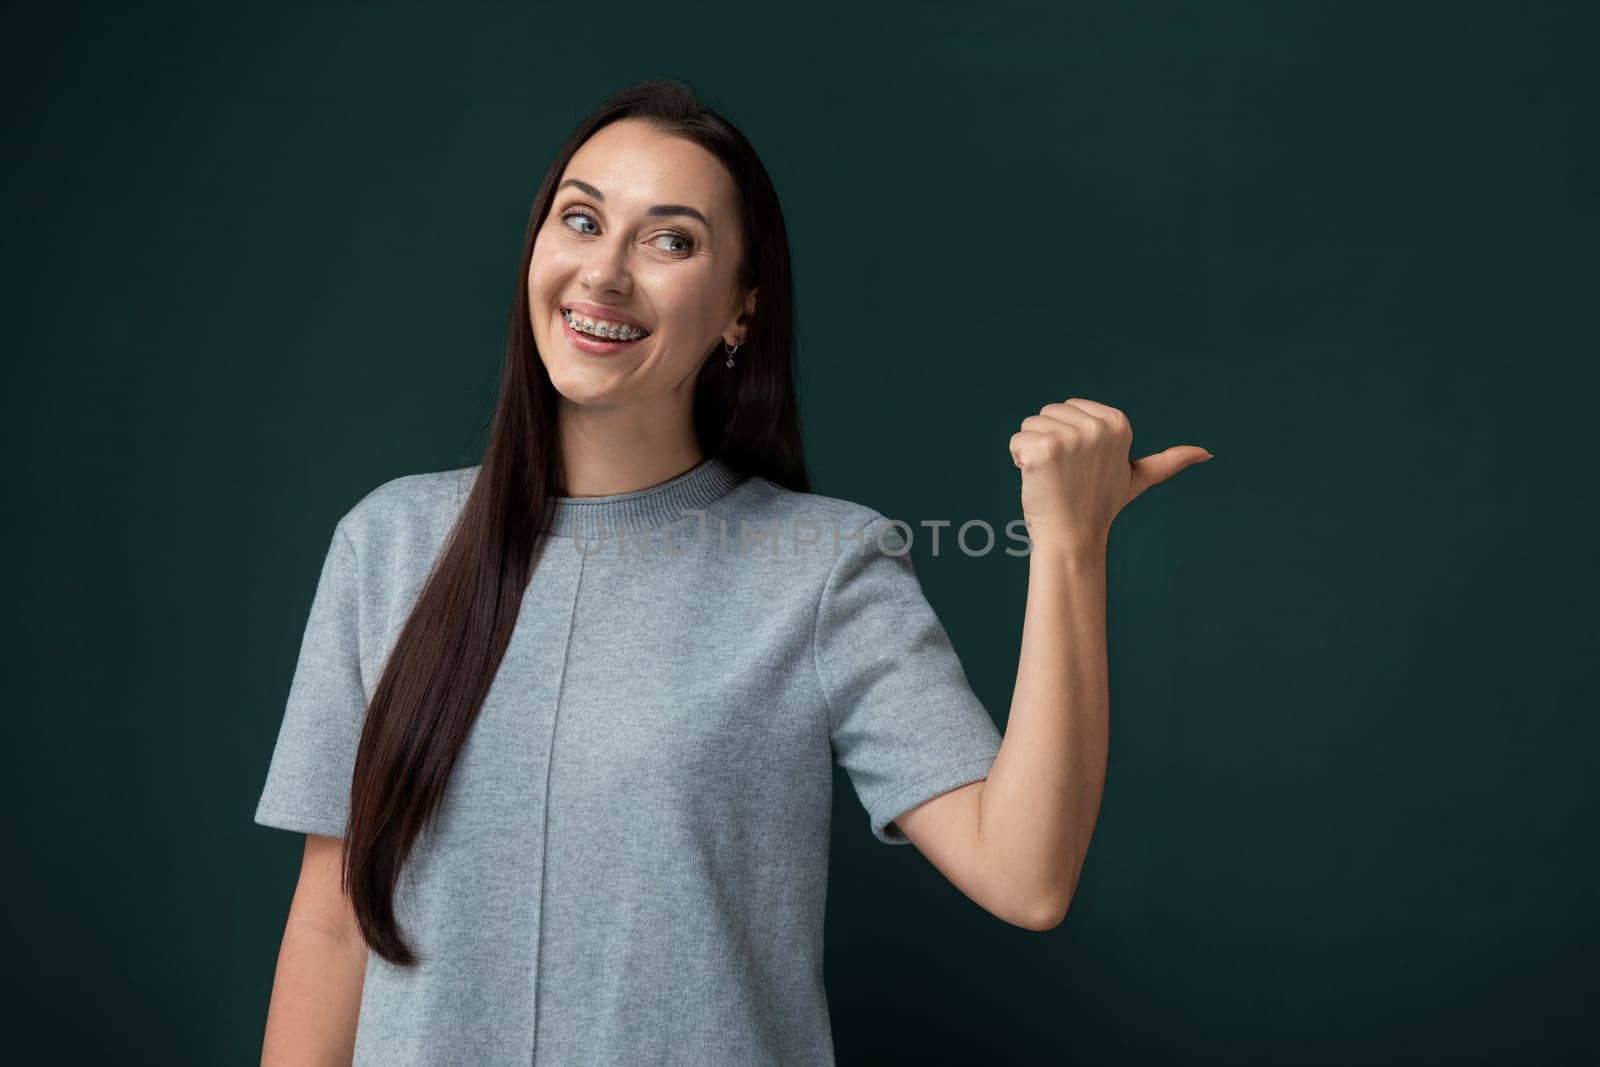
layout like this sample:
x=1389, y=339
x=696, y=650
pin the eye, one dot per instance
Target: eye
x=576, y=215
x=671, y=235
x=688, y=243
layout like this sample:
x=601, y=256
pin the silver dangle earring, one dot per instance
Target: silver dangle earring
x=730, y=352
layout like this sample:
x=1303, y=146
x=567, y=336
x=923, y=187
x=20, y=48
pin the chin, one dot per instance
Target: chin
x=587, y=387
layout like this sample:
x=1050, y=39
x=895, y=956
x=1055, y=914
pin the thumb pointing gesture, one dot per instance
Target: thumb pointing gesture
x=1076, y=475
x=1157, y=467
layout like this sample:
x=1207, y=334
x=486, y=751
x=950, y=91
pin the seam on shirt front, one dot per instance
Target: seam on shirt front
x=816, y=619
x=544, y=830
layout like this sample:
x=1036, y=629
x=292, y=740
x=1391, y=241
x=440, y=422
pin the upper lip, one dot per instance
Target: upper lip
x=600, y=311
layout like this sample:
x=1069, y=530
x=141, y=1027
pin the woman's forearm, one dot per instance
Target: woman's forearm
x=316, y=997
x=1041, y=800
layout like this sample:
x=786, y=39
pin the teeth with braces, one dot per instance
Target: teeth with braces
x=611, y=331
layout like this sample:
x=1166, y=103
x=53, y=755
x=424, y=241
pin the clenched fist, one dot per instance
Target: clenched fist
x=1076, y=475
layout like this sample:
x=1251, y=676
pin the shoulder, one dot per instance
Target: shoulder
x=833, y=525
x=412, y=509
x=779, y=502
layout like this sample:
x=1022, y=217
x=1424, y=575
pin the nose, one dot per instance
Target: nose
x=605, y=268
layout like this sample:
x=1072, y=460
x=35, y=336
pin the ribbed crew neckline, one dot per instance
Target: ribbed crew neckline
x=656, y=505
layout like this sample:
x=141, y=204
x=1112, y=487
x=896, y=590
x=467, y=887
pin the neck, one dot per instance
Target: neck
x=619, y=451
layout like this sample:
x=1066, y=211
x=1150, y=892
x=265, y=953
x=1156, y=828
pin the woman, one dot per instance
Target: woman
x=562, y=727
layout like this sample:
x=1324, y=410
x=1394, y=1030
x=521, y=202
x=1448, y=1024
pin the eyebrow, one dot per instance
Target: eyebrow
x=659, y=209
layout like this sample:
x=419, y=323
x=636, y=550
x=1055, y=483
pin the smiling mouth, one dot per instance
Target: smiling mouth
x=608, y=333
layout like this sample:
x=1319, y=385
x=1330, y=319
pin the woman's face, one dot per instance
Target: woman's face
x=643, y=226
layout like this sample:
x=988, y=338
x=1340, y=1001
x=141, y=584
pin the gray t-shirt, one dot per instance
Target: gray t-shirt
x=630, y=862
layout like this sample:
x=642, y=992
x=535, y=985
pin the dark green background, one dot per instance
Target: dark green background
x=259, y=261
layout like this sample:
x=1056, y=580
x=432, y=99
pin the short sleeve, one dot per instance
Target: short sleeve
x=308, y=781
x=905, y=724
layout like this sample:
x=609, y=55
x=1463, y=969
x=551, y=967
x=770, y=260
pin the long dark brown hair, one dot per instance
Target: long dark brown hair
x=446, y=655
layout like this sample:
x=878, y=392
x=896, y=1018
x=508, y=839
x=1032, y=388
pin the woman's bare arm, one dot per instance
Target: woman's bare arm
x=322, y=963
x=1016, y=841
